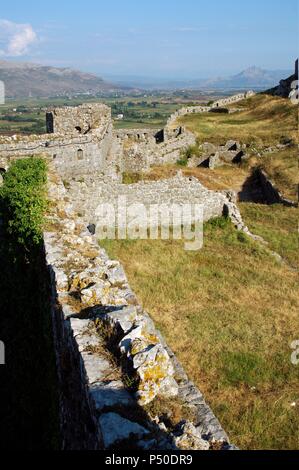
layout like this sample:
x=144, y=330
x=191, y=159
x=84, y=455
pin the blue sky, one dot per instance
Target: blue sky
x=166, y=38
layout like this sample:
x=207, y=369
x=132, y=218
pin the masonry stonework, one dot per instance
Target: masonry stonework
x=91, y=294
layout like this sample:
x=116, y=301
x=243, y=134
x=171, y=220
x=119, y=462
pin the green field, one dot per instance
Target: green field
x=28, y=116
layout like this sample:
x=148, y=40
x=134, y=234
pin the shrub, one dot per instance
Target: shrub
x=23, y=201
x=131, y=178
x=182, y=161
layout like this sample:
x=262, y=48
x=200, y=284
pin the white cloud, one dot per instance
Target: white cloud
x=15, y=38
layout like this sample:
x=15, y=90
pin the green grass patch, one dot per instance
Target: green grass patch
x=278, y=225
x=230, y=312
x=282, y=168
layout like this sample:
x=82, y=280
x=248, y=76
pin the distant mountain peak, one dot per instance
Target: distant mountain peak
x=23, y=79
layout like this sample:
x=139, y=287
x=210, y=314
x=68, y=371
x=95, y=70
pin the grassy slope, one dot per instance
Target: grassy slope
x=262, y=121
x=278, y=225
x=282, y=167
x=231, y=303
x=238, y=323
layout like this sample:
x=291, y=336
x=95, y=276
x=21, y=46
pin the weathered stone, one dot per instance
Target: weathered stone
x=87, y=341
x=61, y=280
x=112, y=394
x=116, y=276
x=97, y=368
x=115, y=429
x=123, y=318
x=95, y=294
x=190, y=439
x=79, y=326
x=169, y=387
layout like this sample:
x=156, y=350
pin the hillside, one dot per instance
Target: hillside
x=32, y=80
x=252, y=77
x=262, y=121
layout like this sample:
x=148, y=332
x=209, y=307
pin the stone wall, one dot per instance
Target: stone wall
x=271, y=194
x=139, y=150
x=179, y=190
x=93, y=302
x=205, y=109
x=82, y=143
x=74, y=154
x=77, y=120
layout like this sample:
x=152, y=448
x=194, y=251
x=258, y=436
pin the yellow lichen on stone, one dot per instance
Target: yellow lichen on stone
x=154, y=372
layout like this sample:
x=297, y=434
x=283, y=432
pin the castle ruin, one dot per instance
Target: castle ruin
x=86, y=159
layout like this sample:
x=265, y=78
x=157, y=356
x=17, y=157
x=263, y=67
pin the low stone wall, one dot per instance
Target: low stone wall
x=136, y=151
x=205, y=109
x=92, y=301
x=87, y=196
x=271, y=194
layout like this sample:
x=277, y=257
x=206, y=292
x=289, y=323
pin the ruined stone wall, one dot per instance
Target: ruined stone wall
x=74, y=154
x=137, y=151
x=77, y=120
x=87, y=196
x=91, y=296
x=271, y=194
x=84, y=144
x=205, y=109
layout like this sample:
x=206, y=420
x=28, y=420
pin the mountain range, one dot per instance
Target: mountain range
x=23, y=79
x=253, y=77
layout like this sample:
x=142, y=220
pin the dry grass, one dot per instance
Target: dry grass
x=171, y=410
x=236, y=309
x=222, y=178
x=278, y=225
x=262, y=121
x=282, y=167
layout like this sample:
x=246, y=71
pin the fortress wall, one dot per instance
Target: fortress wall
x=271, y=194
x=86, y=197
x=111, y=412
x=73, y=155
x=205, y=109
x=78, y=120
x=137, y=152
